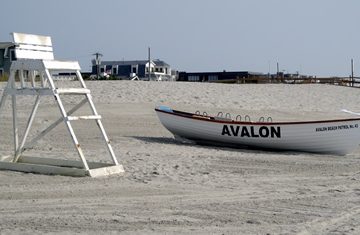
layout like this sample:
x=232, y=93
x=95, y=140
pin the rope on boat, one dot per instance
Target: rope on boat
x=204, y=114
x=262, y=119
x=237, y=118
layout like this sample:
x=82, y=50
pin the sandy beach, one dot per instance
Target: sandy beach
x=174, y=188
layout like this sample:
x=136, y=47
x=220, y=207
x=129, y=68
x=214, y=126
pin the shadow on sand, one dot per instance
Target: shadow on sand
x=158, y=140
x=232, y=148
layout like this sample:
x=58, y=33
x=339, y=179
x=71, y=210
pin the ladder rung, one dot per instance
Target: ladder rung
x=76, y=118
x=73, y=91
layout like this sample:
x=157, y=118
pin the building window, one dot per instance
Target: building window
x=102, y=70
x=12, y=55
x=213, y=78
x=1, y=73
x=134, y=69
x=193, y=78
x=114, y=70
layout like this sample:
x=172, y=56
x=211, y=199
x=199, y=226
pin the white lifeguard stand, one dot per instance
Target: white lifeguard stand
x=34, y=54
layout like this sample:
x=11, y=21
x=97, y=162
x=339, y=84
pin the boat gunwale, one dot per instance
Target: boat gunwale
x=214, y=120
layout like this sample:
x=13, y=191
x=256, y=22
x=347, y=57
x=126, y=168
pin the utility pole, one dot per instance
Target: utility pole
x=269, y=76
x=97, y=62
x=149, y=74
x=352, y=72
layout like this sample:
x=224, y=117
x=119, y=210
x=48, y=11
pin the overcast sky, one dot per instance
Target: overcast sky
x=314, y=37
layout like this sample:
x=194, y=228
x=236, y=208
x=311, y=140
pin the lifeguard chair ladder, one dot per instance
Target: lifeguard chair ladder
x=34, y=54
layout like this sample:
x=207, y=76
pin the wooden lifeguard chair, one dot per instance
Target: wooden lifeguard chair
x=34, y=56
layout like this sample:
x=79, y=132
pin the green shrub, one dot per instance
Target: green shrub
x=3, y=78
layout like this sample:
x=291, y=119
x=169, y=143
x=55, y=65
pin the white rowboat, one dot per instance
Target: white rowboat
x=327, y=136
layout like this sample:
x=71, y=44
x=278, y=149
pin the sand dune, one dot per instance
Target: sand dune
x=175, y=188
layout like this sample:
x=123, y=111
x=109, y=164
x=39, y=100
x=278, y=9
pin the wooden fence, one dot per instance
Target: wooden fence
x=341, y=81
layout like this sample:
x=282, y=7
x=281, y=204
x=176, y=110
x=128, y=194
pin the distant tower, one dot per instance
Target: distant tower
x=97, y=62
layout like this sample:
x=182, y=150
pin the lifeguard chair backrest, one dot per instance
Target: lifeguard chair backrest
x=30, y=46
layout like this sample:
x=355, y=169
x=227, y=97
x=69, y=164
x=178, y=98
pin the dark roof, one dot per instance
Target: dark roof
x=224, y=72
x=4, y=45
x=124, y=62
x=160, y=63
x=134, y=62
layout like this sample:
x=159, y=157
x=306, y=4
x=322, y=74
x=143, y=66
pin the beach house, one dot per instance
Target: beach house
x=224, y=76
x=139, y=69
x=6, y=56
